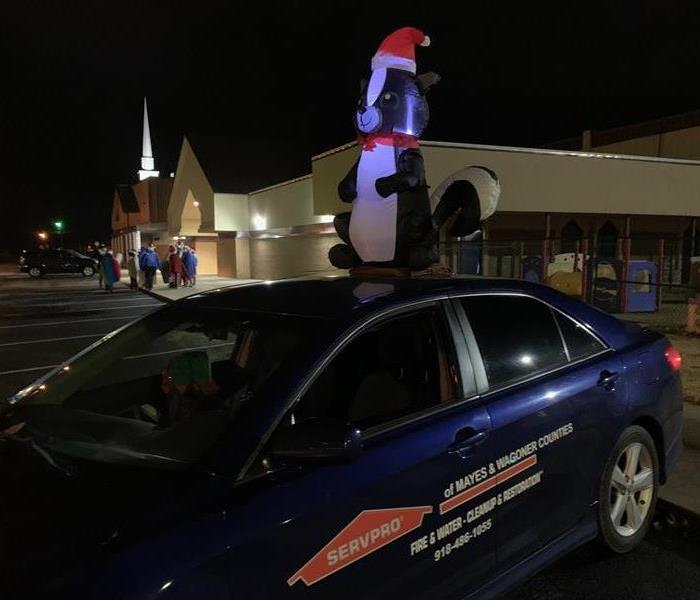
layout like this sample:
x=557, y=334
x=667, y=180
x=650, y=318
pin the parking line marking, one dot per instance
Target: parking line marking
x=101, y=301
x=179, y=350
x=66, y=322
x=49, y=340
x=18, y=315
x=45, y=367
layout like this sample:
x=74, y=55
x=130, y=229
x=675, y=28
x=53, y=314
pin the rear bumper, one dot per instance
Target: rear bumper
x=674, y=442
x=673, y=425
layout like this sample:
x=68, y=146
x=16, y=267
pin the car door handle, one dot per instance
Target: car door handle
x=607, y=380
x=465, y=441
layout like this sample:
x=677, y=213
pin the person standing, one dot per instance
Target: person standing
x=193, y=268
x=141, y=274
x=186, y=265
x=133, y=267
x=175, y=264
x=100, y=252
x=111, y=270
x=149, y=263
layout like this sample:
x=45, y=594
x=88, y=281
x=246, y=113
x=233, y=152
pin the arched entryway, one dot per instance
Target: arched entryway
x=607, y=240
x=571, y=234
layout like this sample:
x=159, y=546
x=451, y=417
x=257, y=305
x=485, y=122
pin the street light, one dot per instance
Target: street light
x=58, y=226
x=42, y=235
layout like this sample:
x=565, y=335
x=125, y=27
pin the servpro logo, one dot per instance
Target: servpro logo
x=367, y=532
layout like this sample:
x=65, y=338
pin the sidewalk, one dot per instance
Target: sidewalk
x=205, y=283
x=683, y=486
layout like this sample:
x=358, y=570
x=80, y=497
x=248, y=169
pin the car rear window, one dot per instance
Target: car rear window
x=579, y=342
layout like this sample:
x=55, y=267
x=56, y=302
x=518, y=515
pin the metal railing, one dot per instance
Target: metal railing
x=639, y=279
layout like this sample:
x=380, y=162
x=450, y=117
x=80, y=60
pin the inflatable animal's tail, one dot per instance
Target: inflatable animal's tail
x=470, y=196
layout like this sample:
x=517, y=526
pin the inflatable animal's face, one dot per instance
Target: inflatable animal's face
x=393, y=101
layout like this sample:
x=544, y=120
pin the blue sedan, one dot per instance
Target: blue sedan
x=336, y=438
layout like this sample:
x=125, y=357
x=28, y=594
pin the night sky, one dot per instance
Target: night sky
x=259, y=87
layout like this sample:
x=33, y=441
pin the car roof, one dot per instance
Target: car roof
x=333, y=297
x=346, y=300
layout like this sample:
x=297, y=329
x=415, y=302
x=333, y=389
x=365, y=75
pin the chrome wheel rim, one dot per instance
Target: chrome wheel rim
x=631, y=489
x=35, y=272
x=87, y=271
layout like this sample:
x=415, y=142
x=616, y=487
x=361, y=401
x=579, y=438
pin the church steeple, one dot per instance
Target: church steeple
x=147, y=161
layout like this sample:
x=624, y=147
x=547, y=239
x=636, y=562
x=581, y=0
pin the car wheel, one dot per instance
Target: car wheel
x=628, y=490
x=35, y=272
x=88, y=271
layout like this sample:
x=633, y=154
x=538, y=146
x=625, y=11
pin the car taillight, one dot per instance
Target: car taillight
x=673, y=358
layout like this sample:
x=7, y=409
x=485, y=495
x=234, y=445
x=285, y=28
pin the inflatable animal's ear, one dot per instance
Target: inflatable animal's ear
x=427, y=80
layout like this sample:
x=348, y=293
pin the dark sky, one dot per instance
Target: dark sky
x=259, y=87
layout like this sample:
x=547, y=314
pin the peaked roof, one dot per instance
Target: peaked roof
x=127, y=198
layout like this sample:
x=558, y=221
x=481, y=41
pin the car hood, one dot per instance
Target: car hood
x=58, y=521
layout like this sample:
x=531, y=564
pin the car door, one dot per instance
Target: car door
x=400, y=519
x=548, y=402
x=70, y=262
x=51, y=261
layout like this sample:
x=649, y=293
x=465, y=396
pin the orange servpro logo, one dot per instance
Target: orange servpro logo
x=367, y=532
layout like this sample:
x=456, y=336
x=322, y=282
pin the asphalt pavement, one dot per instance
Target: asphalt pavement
x=45, y=321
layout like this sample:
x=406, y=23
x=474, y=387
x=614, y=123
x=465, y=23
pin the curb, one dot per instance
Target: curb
x=156, y=295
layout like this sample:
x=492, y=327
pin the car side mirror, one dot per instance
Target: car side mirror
x=317, y=440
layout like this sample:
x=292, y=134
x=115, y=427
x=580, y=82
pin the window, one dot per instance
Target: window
x=641, y=281
x=517, y=336
x=163, y=390
x=579, y=342
x=397, y=368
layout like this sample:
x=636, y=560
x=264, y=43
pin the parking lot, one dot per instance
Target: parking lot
x=45, y=321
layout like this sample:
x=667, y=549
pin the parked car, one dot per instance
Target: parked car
x=337, y=438
x=39, y=262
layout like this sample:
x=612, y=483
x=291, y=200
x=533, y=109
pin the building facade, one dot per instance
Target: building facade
x=616, y=200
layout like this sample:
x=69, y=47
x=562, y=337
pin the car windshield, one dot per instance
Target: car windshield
x=161, y=391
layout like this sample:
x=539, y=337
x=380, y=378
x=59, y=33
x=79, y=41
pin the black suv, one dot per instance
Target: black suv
x=39, y=262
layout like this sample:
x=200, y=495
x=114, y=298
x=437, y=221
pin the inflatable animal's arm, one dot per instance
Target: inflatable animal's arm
x=347, y=188
x=410, y=174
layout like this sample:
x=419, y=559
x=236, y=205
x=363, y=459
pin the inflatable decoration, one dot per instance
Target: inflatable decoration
x=391, y=223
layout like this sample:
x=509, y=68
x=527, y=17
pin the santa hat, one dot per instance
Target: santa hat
x=397, y=51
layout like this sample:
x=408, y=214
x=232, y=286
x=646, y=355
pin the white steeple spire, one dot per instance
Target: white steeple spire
x=147, y=161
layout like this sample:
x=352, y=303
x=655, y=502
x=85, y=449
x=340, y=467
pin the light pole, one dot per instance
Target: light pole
x=58, y=226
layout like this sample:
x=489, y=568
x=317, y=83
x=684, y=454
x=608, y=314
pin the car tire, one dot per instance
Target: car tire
x=628, y=491
x=88, y=271
x=35, y=272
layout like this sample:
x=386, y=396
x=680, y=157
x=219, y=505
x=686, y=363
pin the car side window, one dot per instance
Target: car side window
x=579, y=342
x=517, y=336
x=398, y=367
